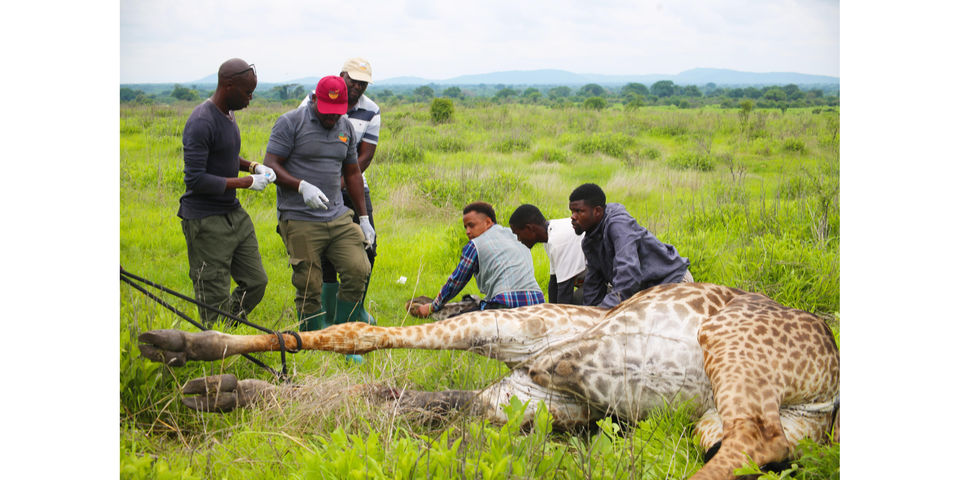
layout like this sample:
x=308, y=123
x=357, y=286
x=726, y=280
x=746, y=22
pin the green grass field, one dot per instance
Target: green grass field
x=752, y=200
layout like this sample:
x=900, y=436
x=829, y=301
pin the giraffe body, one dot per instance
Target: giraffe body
x=761, y=375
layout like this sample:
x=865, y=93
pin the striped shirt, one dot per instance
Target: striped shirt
x=466, y=269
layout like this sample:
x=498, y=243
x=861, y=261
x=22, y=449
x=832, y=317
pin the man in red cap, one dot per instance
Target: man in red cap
x=364, y=115
x=309, y=149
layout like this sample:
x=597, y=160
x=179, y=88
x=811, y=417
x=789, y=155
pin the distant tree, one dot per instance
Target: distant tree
x=128, y=94
x=691, y=91
x=592, y=90
x=793, y=92
x=634, y=88
x=775, y=93
x=815, y=93
x=595, y=103
x=423, y=92
x=559, y=92
x=387, y=93
x=752, y=92
x=286, y=92
x=505, y=93
x=453, y=92
x=634, y=102
x=735, y=93
x=441, y=110
x=532, y=95
x=183, y=93
x=663, y=88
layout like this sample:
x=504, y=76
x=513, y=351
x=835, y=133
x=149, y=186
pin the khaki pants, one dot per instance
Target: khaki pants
x=220, y=247
x=341, y=242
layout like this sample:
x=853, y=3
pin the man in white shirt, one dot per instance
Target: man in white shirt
x=567, y=265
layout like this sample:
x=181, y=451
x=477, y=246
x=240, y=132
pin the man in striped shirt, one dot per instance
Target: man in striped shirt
x=501, y=264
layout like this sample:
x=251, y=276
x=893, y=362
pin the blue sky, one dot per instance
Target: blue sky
x=180, y=41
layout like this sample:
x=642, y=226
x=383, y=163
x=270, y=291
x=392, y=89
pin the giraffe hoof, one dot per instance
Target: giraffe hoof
x=217, y=393
x=220, y=403
x=170, y=340
x=212, y=384
x=173, y=359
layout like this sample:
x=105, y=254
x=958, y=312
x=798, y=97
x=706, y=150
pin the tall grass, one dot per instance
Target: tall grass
x=765, y=217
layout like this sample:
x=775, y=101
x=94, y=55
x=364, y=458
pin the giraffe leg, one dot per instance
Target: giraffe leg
x=758, y=353
x=509, y=335
x=223, y=393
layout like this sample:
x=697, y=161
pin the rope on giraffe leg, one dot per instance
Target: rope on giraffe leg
x=130, y=279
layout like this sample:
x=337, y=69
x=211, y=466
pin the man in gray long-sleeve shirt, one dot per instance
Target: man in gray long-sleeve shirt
x=221, y=241
x=622, y=257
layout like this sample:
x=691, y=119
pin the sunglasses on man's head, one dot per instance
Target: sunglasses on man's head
x=241, y=72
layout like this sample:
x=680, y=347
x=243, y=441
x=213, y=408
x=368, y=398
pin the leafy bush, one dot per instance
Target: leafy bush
x=448, y=145
x=401, y=152
x=691, y=161
x=513, y=144
x=441, y=110
x=551, y=155
x=614, y=145
x=794, y=145
x=595, y=103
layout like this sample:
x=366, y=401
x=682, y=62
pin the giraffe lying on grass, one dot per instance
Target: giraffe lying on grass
x=762, y=376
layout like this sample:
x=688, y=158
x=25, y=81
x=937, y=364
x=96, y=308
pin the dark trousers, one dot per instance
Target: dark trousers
x=330, y=273
x=220, y=247
x=567, y=292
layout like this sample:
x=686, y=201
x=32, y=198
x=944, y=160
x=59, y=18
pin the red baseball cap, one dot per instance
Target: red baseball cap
x=331, y=95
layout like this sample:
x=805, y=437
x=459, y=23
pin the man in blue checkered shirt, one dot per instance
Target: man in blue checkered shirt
x=501, y=264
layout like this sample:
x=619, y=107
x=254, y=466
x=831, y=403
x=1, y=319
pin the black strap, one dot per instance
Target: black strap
x=129, y=278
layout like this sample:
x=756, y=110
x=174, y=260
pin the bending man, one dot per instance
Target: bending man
x=502, y=266
x=563, y=248
x=622, y=257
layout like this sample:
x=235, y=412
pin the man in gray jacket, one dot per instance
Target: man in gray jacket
x=622, y=257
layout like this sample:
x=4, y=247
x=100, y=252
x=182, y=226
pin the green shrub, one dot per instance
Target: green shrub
x=513, y=144
x=402, y=152
x=650, y=153
x=595, y=103
x=551, y=155
x=441, y=110
x=614, y=145
x=691, y=161
x=448, y=145
x=794, y=145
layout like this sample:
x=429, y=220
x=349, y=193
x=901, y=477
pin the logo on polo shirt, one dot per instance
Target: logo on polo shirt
x=342, y=137
x=333, y=94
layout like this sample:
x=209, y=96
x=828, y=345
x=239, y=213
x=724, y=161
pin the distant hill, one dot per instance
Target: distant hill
x=696, y=76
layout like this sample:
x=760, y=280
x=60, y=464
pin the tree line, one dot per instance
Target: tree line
x=592, y=95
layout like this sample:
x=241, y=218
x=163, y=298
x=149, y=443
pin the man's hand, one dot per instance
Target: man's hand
x=266, y=172
x=423, y=311
x=369, y=235
x=312, y=196
x=259, y=182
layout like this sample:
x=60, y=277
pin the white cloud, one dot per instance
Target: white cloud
x=186, y=40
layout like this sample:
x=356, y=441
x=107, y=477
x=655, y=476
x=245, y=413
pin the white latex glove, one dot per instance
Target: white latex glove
x=259, y=182
x=369, y=235
x=266, y=172
x=312, y=196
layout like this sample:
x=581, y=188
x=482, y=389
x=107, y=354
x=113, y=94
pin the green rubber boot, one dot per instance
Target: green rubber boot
x=312, y=321
x=351, y=312
x=328, y=300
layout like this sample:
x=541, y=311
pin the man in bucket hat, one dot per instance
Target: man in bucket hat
x=364, y=115
x=309, y=149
